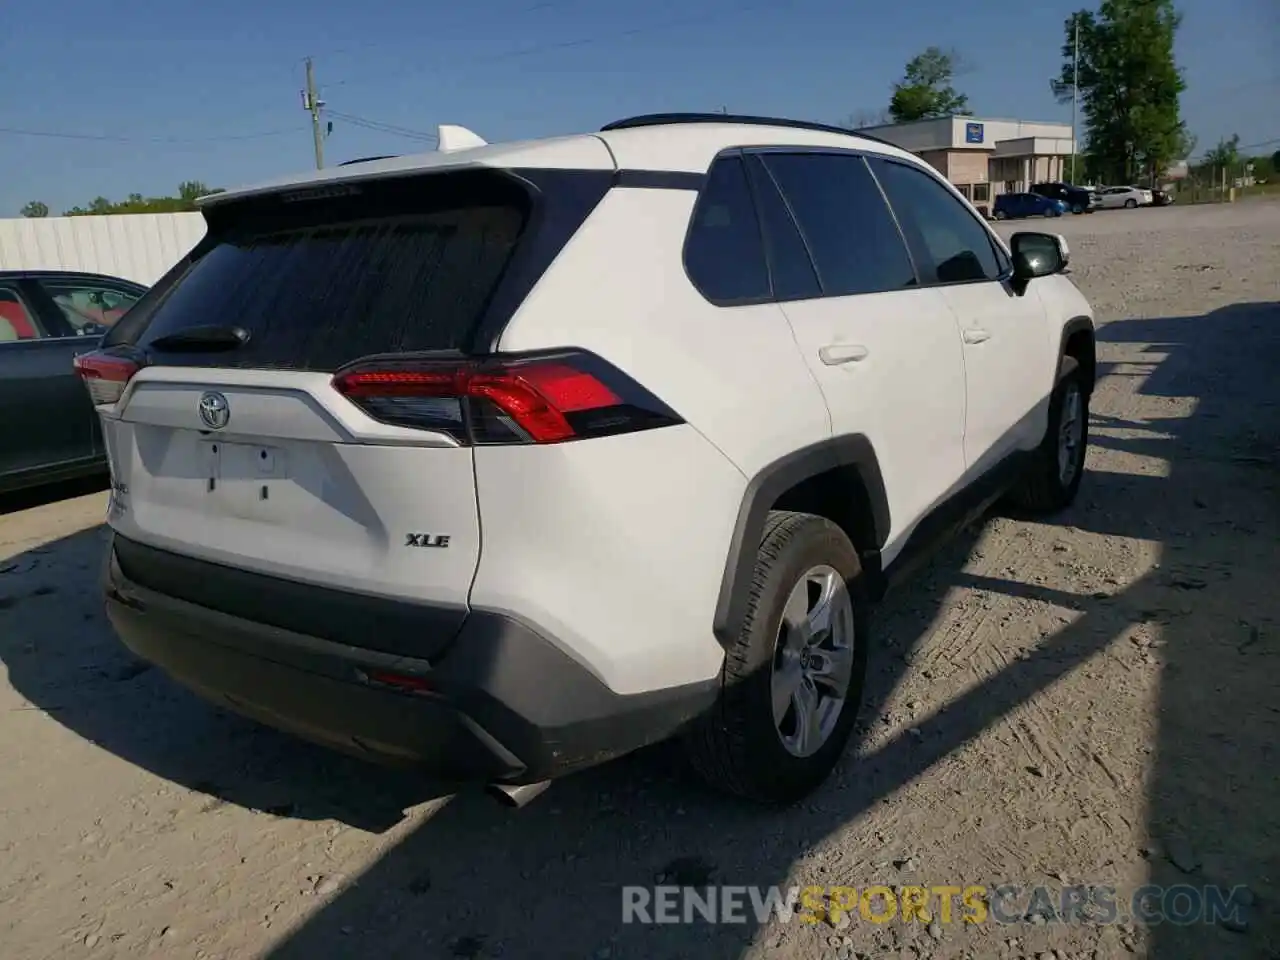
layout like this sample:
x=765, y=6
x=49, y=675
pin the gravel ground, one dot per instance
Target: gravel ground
x=1087, y=701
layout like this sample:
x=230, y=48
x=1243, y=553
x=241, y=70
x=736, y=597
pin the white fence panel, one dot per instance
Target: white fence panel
x=137, y=246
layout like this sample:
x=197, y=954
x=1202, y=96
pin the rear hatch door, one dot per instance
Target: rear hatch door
x=232, y=446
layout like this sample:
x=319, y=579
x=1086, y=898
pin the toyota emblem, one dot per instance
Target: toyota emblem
x=214, y=410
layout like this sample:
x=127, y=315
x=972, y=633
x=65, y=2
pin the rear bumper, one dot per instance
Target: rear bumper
x=501, y=703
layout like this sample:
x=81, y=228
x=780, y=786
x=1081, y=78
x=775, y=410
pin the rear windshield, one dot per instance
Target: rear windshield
x=381, y=268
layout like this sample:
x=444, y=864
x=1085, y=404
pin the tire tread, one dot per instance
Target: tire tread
x=720, y=746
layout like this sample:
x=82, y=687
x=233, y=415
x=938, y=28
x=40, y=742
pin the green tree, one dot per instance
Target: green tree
x=35, y=209
x=861, y=119
x=188, y=192
x=925, y=90
x=1226, y=153
x=191, y=190
x=1129, y=87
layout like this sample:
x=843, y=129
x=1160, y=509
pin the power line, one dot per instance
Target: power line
x=375, y=44
x=1240, y=148
x=583, y=42
x=381, y=127
x=109, y=138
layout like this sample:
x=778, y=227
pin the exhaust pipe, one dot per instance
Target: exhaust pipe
x=516, y=796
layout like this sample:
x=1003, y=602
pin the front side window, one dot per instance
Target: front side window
x=724, y=253
x=845, y=221
x=951, y=242
x=17, y=322
x=90, y=309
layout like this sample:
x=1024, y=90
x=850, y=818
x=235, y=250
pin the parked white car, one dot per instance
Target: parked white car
x=1129, y=197
x=505, y=460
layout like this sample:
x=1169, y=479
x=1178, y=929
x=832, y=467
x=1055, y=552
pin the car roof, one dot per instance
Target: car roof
x=686, y=144
x=65, y=275
x=690, y=147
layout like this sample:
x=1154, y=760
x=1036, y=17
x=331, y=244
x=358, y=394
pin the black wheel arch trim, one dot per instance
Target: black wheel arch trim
x=1069, y=329
x=764, y=489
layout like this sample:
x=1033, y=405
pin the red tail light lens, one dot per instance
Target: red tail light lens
x=531, y=399
x=104, y=375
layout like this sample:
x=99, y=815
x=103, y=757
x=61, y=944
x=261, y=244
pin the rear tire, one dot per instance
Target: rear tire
x=784, y=668
x=1057, y=467
x=1077, y=209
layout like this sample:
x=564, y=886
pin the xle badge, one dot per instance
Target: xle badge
x=426, y=539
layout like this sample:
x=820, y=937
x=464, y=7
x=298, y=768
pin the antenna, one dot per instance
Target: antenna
x=452, y=137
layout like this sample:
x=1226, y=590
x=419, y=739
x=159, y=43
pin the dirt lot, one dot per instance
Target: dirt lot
x=1092, y=700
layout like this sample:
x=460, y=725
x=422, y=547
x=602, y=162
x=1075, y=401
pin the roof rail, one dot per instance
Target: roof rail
x=347, y=163
x=665, y=119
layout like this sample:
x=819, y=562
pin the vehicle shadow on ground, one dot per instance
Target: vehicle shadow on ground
x=63, y=658
x=476, y=880
x=31, y=497
x=525, y=884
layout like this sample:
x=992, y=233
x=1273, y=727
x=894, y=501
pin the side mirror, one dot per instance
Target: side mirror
x=1037, y=255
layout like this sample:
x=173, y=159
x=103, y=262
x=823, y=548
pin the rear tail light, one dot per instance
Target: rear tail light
x=548, y=398
x=105, y=375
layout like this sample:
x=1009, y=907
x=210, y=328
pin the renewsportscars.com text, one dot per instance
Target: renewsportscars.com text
x=1182, y=904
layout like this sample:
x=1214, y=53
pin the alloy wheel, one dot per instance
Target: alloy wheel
x=813, y=661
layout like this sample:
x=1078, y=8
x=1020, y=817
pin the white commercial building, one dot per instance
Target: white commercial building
x=986, y=157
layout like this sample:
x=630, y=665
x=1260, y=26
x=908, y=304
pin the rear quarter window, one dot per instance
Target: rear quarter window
x=724, y=251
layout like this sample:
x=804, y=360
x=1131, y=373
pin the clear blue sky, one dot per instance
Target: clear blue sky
x=173, y=82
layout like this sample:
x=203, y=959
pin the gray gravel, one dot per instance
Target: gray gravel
x=1050, y=702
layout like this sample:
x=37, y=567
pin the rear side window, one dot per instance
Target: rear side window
x=16, y=321
x=950, y=244
x=385, y=268
x=723, y=254
x=848, y=227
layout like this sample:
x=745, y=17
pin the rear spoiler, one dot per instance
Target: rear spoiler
x=451, y=139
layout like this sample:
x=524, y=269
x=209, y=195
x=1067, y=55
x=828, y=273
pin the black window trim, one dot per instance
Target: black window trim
x=1004, y=258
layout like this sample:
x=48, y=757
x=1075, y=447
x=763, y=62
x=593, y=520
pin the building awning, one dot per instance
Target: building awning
x=1034, y=147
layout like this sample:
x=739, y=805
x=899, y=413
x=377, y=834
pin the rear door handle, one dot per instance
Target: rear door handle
x=838, y=353
x=976, y=336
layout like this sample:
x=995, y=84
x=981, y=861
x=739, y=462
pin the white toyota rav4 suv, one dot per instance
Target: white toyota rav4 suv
x=505, y=460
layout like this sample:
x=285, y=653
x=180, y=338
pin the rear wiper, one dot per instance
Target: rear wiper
x=210, y=337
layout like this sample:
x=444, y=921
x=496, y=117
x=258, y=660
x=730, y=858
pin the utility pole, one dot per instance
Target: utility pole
x=312, y=103
x=1075, y=95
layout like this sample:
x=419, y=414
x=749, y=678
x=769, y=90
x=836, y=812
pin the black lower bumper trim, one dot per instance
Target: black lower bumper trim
x=393, y=626
x=501, y=703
